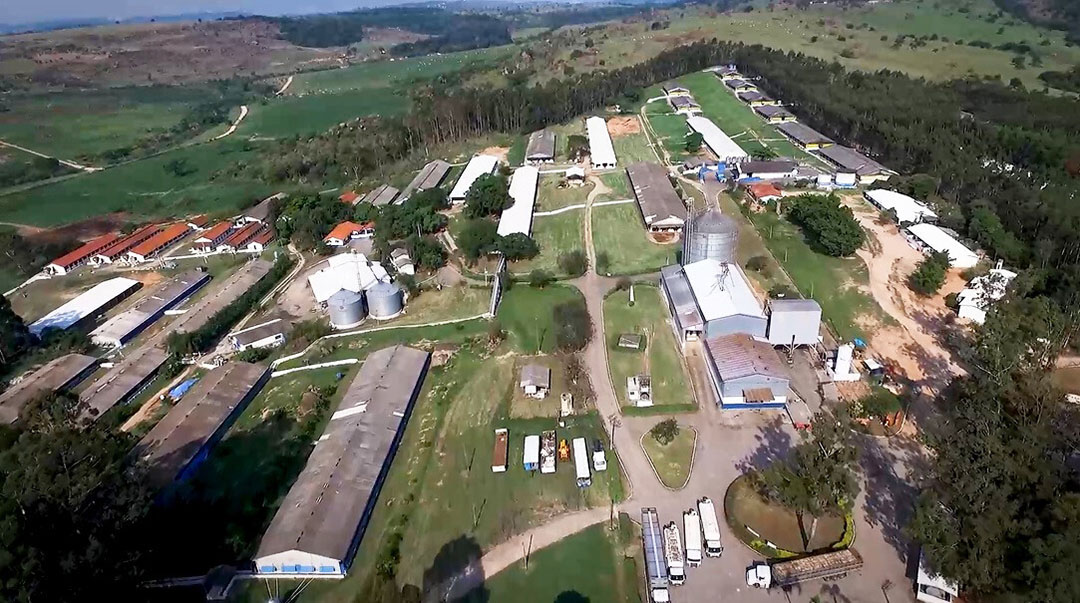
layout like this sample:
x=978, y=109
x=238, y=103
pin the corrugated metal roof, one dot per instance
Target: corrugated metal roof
x=541, y=145
x=163, y=296
x=86, y=250
x=430, y=176
x=654, y=193
x=86, y=304
x=380, y=196
x=803, y=134
x=718, y=142
x=773, y=166
x=323, y=510
x=261, y=331
x=938, y=240
x=601, y=151
x=794, y=305
x=721, y=290
x=681, y=297
x=738, y=356
x=122, y=380
x=518, y=217
x=55, y=375
x=536, y=374
x=772, y=111
x=906, y=208
x=478, y=166
x=850, y=159
x=155, y=243
x=753, y=96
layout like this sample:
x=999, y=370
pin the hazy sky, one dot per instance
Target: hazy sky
x=24, y=11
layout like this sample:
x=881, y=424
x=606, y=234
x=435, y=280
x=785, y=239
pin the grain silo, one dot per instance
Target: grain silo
x=710, y=235
x=385, y=300
x=346, y=309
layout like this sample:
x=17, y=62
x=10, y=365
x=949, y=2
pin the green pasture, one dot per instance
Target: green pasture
x=526, y=315
x=619, y=233
x=555, y=235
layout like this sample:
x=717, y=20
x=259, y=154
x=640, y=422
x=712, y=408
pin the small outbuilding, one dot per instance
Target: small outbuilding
x=764, y=192
x=771, y=169
x=535, y=380
x=266, y=335
x=774, y=114
x=684, y=105
x=541, y=147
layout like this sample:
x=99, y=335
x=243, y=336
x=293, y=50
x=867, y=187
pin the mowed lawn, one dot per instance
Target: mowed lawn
x=555, y=235
x=551, y=195
x=632, y=148
x=619, y=234
x=662, y=361
x=618, y=185
x=590, y=564
x=672, y=461
x=526, y=313
x=146, y=189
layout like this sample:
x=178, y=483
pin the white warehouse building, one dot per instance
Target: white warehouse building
x=518, y=217
x=929, y=236
x=721, y=145
x=908, y=210
x=601, y=151
x=477, y=166
x=346, y=271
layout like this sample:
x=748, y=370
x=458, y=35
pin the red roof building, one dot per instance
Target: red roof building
x=260, y=240
x=77, y=257
x=119, y=247
x=347, y=231
x=764, y=192
x=350, y=197
x=240, y=238
x=212, y=237
x=198, y=222
x=158, y=243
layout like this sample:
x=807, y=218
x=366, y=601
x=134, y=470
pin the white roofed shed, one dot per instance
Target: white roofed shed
x=907, y=210
x=518, y=217
x=601, y=151
x=719, y=143
x=936, y=239
x=477, y=166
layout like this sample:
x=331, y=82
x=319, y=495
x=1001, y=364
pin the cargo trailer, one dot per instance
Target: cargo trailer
x=500, y=452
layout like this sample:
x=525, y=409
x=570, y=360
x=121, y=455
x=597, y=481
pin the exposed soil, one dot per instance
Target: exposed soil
x=499, y=152
x=624, y=126
x=79, y=231
x=663, y=238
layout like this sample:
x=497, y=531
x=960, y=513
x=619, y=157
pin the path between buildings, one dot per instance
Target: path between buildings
x=70, y=164
x=506, y=554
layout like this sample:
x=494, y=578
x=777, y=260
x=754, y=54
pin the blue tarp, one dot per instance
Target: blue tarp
x=177, y=392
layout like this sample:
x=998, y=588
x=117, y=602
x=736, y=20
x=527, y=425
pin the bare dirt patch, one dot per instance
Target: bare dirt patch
x=499, y=152
x=663, y=238
x=81, y=231
x=624, y=126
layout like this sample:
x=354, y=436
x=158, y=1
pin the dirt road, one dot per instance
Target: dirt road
x=70, y=164
x=232, y=128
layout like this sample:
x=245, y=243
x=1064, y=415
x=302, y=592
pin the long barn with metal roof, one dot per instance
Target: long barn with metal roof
x=319, y=525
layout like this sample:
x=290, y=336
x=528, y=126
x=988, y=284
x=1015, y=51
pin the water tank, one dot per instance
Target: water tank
x=346, y=309
x=710, y=235
x=385, y=300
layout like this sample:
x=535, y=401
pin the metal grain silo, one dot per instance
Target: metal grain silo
x=710, y=235
x=346, y=309
x=385, y=300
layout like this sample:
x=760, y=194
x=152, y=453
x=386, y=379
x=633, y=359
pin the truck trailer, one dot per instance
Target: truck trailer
x=581, y=463
x=499, y=452
x=547, y=452
x=692, y=532
x=531, y=455
x=656, y=573
x=825, y=566
x=710, y=528
x=673, y=554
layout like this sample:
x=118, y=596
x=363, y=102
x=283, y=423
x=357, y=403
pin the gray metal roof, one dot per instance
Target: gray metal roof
x=753, y=95
x=160, y=298
x=229, y=291
x=850, y=159
x=430, y=176
x=794, y=305
x=772, y=111
x=714, y=222
x=541, y=145
x=200, y=415
x=737, y=83
x=59, y=373
x=738, y=356
x=380, y=196
x=537, y=375
x=655, y=195
x=682, y=297
x=261, y=211
x=325, y=506
x=772, y=166
x=672, y=86
x=122, y=380
x=802, y=133
x=681, y=102
x=261, y=331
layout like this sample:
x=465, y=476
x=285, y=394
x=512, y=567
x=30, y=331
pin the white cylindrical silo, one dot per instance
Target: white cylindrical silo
x=385, y=300
x=346, y=309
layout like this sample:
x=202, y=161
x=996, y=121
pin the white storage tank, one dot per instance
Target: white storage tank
x=346, y=309
x=710, y=235
x=385, y=300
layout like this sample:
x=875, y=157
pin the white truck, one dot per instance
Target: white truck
x=825, y=566
x=599, y=458
x=673, y=552
x=710, y=528
x=581, y=463
x=692, y=531
x=656, y=573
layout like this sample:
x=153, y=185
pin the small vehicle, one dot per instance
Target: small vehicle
x=564, y=451
x=599, y=458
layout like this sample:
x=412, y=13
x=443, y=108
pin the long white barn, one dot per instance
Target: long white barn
x=478, y=166
x=601, y=151
x=719, y=143
x=518, y=217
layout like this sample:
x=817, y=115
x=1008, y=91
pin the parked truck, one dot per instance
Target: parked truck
x=656, y=574
x=710, y=528
x=673, y=554
x=531, y=453
x=824, y=566
x=547, y=452
x=692, y=532
x=581, y=463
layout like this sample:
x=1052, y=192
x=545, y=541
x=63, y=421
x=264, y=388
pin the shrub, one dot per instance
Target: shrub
x=757, y=263
x=930, y=275
x=573, y=327
x=540, y=278
x=665, y=431
x=880, y=402
x=573, y=262
x=517, y=246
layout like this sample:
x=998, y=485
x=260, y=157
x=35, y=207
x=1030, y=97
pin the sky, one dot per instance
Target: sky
x=29, y=11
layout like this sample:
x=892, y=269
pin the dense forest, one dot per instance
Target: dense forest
x=1060, y=14
x=448, y=31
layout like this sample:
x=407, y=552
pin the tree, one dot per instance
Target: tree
x=929, y=276
x=479, y=237
x=540, y=278
x=880, y=403
x=665, y=431
x=818, y=477
x=517, y=246
x=15, y=338
x=757, y=263
x=603, y=262
x=365, y=212
x=488, y=196
x=573, y=263
x=693, y=142
x=573, y=327
x=427, y=252
x=764, y=154
x=831, y=228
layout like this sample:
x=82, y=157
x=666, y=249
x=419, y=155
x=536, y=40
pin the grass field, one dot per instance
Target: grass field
x=556, y=235
x=439, y=305
x=619, y=186
x=291, y=116
x=745, y=507
x=550, y=196
x=647, y=317
x=526, y=314
x=632, y=148
x=618, y=232
x=72, y=125
x=668, y=127
x=672, y=461
x=590, y=565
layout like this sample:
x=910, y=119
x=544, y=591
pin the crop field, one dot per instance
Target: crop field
x=555, y=235
x=661, y=359
x=147, y=189
x=393, y=73
x=76, y=125
x=852, y=37
x=619, y=233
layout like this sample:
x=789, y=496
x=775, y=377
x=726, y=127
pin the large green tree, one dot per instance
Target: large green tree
x=831, y=227
x=488, y=196
x=818, y=477
x=15, y=338
x=930, y=274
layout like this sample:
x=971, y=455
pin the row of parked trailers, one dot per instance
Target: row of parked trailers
x=540, y=453
x=668, y=553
